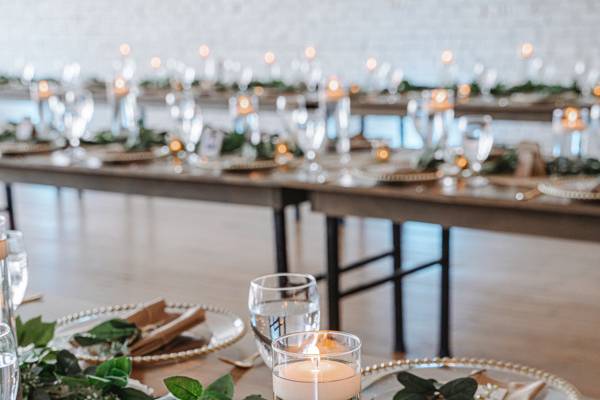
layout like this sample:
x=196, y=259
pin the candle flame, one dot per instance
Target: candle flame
x=464, y=90
x=155, y=62
x=119, y=83
x=310, y=53
x=333, y=84
x=43, y=86
x=204, y=51
x=269, y=57
x=371, y=63
x=124, y=49
x=447, y=57
x=526, y=50
x=439, y=95
x=571, y=114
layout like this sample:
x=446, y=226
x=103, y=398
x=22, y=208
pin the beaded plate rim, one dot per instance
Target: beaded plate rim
x=400, y=177
x=552, y=188
x=177, y=356
x=533, y=373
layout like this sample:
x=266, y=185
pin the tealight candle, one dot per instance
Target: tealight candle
x=334, y=90
x=526, y=51
x=464, y=91
x=155, y=63
x=382, y=152
x=124, y=49
x=43, y=90
x=269, y=58
x=310, y=53
x=371, y=64
x=572, y=120
x=322, y=365
x=440, y=100
x=120, y=88
x=204, y=51
x=447, y=57
x=244, y=105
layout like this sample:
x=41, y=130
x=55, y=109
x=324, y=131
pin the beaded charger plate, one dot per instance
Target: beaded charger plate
x=579, y=188
x=389, y=173
x=240, y=164
x=221, y=329
x=379, y=381
x=24, y=148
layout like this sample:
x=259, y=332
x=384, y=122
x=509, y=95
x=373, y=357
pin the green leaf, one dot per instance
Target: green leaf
x=459, y=389
x=254, y=397
x=34, y=332
x=67, y=364
x=114, y=330
x=210, y=395
x=416, y=384
x=132, y=394
x=121, y=366
x=223, y=385
x=404, y=394
x=184, y=388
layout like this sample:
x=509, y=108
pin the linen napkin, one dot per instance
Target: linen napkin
x=509, y=390
x=530, y=161
x=166, y=333
x=151, y=313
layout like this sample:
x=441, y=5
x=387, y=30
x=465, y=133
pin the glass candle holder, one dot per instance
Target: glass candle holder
x=243, y=109
x=569, y=126
x=320, y=365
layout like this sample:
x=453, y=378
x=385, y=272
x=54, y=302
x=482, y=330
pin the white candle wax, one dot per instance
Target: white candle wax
x=316, y=380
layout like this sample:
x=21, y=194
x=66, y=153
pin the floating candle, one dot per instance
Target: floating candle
x=440, y=100
x=269, y=58
x=334, y=90
x=43, y=91
x=572, y=121
x=120, y=87
x=244, y=105
x=155, y=62
x=371, y=64
x=464, y=90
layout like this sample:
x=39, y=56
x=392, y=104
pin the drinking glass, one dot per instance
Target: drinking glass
x=188, y=117
x=78, y=112
x=486, y=80
x=281, y=304
x=6, y=307
x=17, y=266
x=311, y=131
x=432, y=115
x=477, y=144
x=9, y=366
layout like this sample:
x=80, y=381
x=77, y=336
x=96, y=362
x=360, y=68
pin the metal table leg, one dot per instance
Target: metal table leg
x=333, y=272
x=445, y=295
x=399, y=345
x=280, y=241
x=10, y=206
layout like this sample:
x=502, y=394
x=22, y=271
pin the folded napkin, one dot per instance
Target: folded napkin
x=150, y=313
x=530, y=161
x=166, y=333
x=507, y=390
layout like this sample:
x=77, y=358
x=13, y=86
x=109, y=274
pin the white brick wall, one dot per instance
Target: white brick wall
x=409, y=33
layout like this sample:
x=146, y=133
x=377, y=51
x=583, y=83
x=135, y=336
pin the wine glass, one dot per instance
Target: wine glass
x=477, y=144
x=188, y=116
x=281, y=304
x=486, y=79
x=78, y=112
x=432, y=115
x=17, y=266
x=9, y=365
x=311, y=131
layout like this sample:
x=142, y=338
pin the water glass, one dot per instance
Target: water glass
x=6, y=306
x=432, y=115
x=188, y=117
x=9, y=365
x=478, y=140
x=281, y=304
x=317, y=365
x=17, y=266
x=570, y=132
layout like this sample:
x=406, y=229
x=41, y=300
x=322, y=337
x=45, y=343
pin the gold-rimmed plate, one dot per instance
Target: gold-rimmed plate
x=26, y=148
x=390, y=173
x=240, y=164
x=220, y=330
x=379, y=381
x=574, y=188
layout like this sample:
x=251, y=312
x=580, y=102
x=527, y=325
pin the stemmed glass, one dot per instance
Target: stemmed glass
x=432, y=115
x=478, y=140
x=281, y=304
x=17, y=266
x=486, y=79
x=188, y=116
x=9, y=366
x=78, y=112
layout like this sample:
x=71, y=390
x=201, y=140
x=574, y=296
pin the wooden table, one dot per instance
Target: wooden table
x=164, y=179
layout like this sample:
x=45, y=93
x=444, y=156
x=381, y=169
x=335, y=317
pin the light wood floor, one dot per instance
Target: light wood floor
x=523, y=299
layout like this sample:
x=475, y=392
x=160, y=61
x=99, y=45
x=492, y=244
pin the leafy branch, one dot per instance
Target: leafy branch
x=417, y=388
x=184, y=388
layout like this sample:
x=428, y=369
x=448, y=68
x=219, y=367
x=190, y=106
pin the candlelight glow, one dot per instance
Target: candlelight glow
x=124, y=49
x=310, y=53
x=155, y=62
x=526, y=50
x=464, y=90
x=269, y=57
x=571, y=114
x=120, y=83
x=596, y=91
x=382, y=153
x=447, y=57
x=333, y=84
x=281, y=148
x=371, y=63
x=354, y=88
x=43, y=86
x=204, y=51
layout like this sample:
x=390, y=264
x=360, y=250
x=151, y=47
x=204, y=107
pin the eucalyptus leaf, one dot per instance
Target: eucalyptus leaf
x=113, y=330
x=459, y=389
x=223, y=385
x=67, y=364
x=416, y=384
x=408, y=395
x=210, y=395
x=132, y=394
x=184, y=388
x=34, y=332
